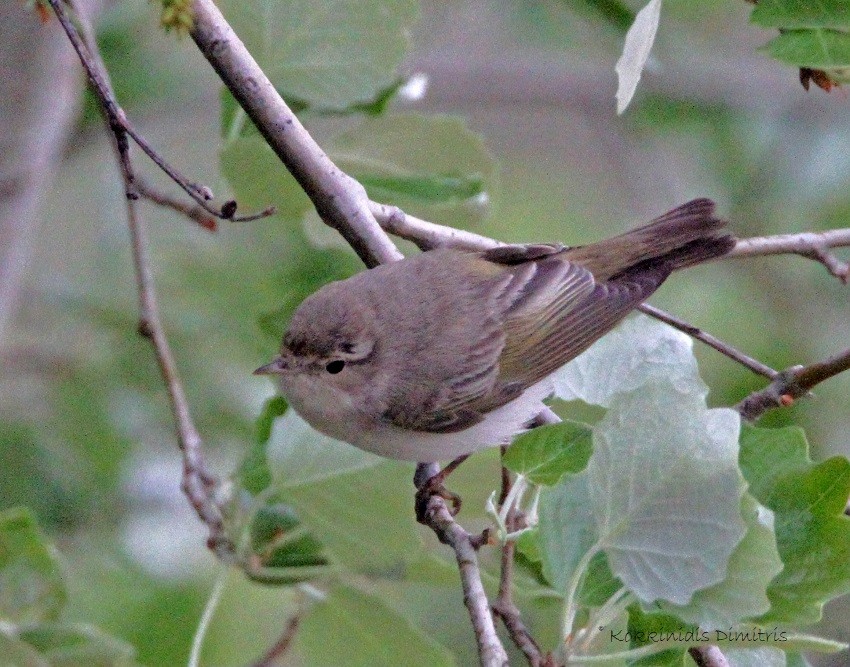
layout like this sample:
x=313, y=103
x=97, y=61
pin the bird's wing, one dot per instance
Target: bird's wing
x=530, y=307
x=541, y=340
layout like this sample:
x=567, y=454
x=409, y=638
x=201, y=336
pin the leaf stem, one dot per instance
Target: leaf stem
x=206, y=618
x=570, y=605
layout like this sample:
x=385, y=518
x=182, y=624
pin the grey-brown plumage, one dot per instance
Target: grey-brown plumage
x=437, y=342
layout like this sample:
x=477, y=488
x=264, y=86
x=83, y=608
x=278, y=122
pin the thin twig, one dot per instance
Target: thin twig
x=791, y=384
x=437, y=517
x=428, y=235
x=712, y=341
x=281, y=646
x=812, y=245
x=198, y=484
x=191, y=211
x=504, y=606
x=340, y=200
x=708, y=656
x=122, y=128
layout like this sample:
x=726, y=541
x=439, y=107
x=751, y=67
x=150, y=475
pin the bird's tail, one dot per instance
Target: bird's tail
x=685, y=236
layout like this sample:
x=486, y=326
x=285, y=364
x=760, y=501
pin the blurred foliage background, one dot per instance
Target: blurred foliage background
x=86, y=438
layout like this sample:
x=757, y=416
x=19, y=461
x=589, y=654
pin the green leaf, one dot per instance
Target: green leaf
x=77, y=645
x=567, y=528
x=648, y=628
x=614, y=11
x=743, y=592
x=330, y=53
x=546, y=453
x=353, y=628
x=599, y=583
x=279, y=542
x=274, y=407
x=796, y=14
x=796, y=660
x=431, y=166
x=819, y=49
x=812, y=533
x=358, y=505
x=31, y=584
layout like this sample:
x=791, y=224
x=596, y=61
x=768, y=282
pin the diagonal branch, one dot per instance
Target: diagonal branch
x=339, y=199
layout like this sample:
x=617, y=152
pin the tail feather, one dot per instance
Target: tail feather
x=682, y=237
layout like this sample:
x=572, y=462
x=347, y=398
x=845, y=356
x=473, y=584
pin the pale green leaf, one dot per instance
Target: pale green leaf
x=666, y=490
x=743, y=592
x=567, y=529
x=353, y=628
x=636, y=49
x=802, y=14
x=327, y=53
x=31, y=584
x=640, y=351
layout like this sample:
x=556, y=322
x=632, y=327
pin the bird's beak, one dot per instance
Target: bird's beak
x=277, y=367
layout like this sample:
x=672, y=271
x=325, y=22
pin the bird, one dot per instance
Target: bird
x=448, y=352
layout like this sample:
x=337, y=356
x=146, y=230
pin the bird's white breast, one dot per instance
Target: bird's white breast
x=340, y=420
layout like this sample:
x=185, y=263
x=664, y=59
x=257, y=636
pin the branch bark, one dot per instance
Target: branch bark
x=340, y=200
x=437, y=517
x=791, y=384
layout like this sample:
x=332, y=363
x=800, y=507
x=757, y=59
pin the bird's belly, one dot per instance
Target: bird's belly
x=497, y=428
x=336, y=417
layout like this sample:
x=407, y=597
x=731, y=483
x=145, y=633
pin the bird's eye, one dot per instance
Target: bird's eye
x=335, y=366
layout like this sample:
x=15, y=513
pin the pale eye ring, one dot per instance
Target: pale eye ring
x=335, y=366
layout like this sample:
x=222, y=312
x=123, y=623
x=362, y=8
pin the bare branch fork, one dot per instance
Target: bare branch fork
x=344, y=205
x=198, y=484
x=122, y=128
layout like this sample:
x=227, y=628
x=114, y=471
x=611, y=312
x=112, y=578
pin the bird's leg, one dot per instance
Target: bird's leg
x=430, y=484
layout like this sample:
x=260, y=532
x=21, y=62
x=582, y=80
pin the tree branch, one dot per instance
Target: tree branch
x=812, y=245
x=340, y=200
x=437, y=517
x=198, y=484
x=504, y=606
x=708, y=656
x=792, y=384
x=754, y=365
x=281, y=646
x=122, y=128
